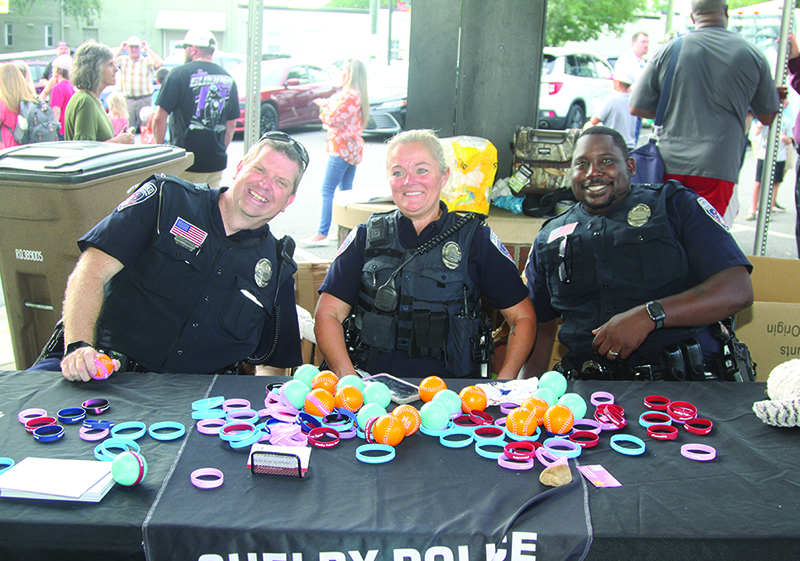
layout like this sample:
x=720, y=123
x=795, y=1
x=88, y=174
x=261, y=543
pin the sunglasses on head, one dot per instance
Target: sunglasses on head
x=283, y=137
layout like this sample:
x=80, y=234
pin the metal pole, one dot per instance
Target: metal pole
x=389, y=34
x=765, y=197
x=252, y=107
x=670, y=11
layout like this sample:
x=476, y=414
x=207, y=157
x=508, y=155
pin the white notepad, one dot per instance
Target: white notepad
x=57, y=479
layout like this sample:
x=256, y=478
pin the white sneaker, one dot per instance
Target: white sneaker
x=313, y=243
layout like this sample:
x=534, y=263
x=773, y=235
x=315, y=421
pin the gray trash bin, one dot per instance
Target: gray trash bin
x=51, y=194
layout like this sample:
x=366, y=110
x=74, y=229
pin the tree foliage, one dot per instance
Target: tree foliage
x=734, y=4
x=79, y=9
x=580, y=20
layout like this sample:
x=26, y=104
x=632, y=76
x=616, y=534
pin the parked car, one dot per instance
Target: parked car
x=573, y=84
x=226, y=60
x=387, y=87
x=288, y=91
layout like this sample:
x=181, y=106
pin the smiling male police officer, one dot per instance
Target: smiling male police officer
x=639, y=274
x=182, y=278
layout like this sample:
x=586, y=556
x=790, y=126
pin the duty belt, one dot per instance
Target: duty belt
x=127, y=364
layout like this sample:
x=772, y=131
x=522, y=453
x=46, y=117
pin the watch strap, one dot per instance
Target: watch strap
x=74, y=346
x=656, y=313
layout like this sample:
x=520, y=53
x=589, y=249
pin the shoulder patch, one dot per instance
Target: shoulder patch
x=499, y=245
x=144, y=192
x=712, y=212
x=346, y=243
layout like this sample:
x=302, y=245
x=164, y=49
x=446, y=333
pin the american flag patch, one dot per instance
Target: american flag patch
x=188, y=231
x=562, y=231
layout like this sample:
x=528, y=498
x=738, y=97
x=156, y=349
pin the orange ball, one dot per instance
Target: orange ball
x=105, y=367
x=536, y=405
x=409, y=416
x=472, y=399
x=521, y=422
x=558, y=419
x=430, y=386
x=349, y=398
x=319, y=402
x=326, y=380
x=388, y=429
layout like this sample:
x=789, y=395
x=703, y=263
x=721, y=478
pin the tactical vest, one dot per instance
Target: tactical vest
x=183, y=310
x=438, y=313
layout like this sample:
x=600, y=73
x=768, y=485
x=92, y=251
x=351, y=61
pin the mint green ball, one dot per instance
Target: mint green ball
x=576, y=404
x=367, y=412
x=449, y=399
x=350, y=380
x=296, y=392
x=306, y=374
x=434, y=416
x=554, y=381
x=546, y=394
x=377, y=392
x=128, y=468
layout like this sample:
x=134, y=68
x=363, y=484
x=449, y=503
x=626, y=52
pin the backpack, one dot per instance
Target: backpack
x=36, y=122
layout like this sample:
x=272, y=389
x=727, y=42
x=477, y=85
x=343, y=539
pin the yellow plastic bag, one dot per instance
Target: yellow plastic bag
x=473, y=165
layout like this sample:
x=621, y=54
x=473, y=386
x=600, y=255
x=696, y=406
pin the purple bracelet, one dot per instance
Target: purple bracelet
x=28, y=414
x=235, y=403
x=698, y=452
x=90, y=434
x=546, y=457
x=589, y=425
x=598, y=398
x=210, y=426
x=506, y=408
x=508, y=463
x=205, y=483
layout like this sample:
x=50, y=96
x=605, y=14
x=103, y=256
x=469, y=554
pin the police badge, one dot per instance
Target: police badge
x=639, y=215
x=263, y=272
x=451, y=255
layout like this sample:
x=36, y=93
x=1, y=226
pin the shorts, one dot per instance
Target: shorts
x=779, y=167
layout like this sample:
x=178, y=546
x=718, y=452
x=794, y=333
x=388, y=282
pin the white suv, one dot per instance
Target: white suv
x=573, y=84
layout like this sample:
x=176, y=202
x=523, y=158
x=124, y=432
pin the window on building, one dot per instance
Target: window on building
x=9, y=35
x=48, y=35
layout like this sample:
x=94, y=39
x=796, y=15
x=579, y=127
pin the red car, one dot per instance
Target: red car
x=288, y=89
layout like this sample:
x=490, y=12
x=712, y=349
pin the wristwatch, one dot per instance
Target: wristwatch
x=74, y=346
x=656, y=313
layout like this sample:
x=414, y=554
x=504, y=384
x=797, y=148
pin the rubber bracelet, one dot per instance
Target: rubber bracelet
x=242, y=415
x=681, y=411
x=465, y=422
x=323, y=437
x=545, y=457
x=515, y=463
x=140, y=426
x=614, y=407
x=349, y=414
x=434, y=432
x=29, y=414
x=103, y=450
x=97, y=424
x=481, y=417
x=488, y=432
x=307, y=421
x=562, y=447
x=336, y=419
x=618, y=438
x=31, y=424
x=698, y=426
x=210, y=426
x=534, y=436
x=524, y=450
x=208, y=414
x=662, y=432
x=6, y=464
x=587, y=425
x=178, y=430
x=71, y=415
x=656, y=402
x=601, y=398
x=349, y=433
x=206, y=483
x=48, y=433
x=368, y=434
x=95, y=406
x=585, y=438
x=236, y=431
x=650, y=418
x=463, y=438
x=500, y=422
x=247, y=441
x=210, y=403
x=698, y=452
x=363, y=451
x=508, y=407
x=481, y=445
x=235, y=403
x=91, y=434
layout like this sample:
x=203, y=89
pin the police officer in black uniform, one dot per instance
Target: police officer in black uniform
x=186, y=279
x=407, y=284
x=640, y=275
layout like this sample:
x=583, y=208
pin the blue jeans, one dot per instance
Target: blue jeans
x=338, y=174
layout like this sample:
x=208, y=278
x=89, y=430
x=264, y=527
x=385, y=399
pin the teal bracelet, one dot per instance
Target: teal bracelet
x=6, y=464
x=617, y=438
x=210, y=403
x=178, y=430
x=534, y=436
x=102, y=452
x=361, y=453
x=209, y=414
x=116, y=429
x=444, y=439
x=481, y=445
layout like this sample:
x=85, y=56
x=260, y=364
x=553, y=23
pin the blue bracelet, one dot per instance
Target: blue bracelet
x=142, y=428
x=435, y=432
x=103, y=453
x=97, y=424
x=6, y=464
x=210, y=403
x=562, y=447
x=661, y=418
x=383, y=458
x=48, y=433
x=444, y=439
x=617, y=438
x=247, y=415
x=178, y=430
x=209, y=414
x=71, y=415
x=307, y=422
x=247, y=441
x=481, y=445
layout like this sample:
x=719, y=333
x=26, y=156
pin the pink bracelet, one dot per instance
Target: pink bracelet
x=90, y=434
x=205, y=483
x=29, y=414
x=210, y=426
x=698, y=452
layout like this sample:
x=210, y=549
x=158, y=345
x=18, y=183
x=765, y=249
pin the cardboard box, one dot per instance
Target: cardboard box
x=771, y=326
x=307, y=280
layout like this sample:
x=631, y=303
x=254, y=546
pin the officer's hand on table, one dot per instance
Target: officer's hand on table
x=77, y=365
x=622, y=334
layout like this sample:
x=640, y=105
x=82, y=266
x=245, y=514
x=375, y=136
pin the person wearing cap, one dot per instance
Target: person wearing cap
x=137, y=74
x=62, y=91
x=202, y=103
x=614, y=111
x=61, y=49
